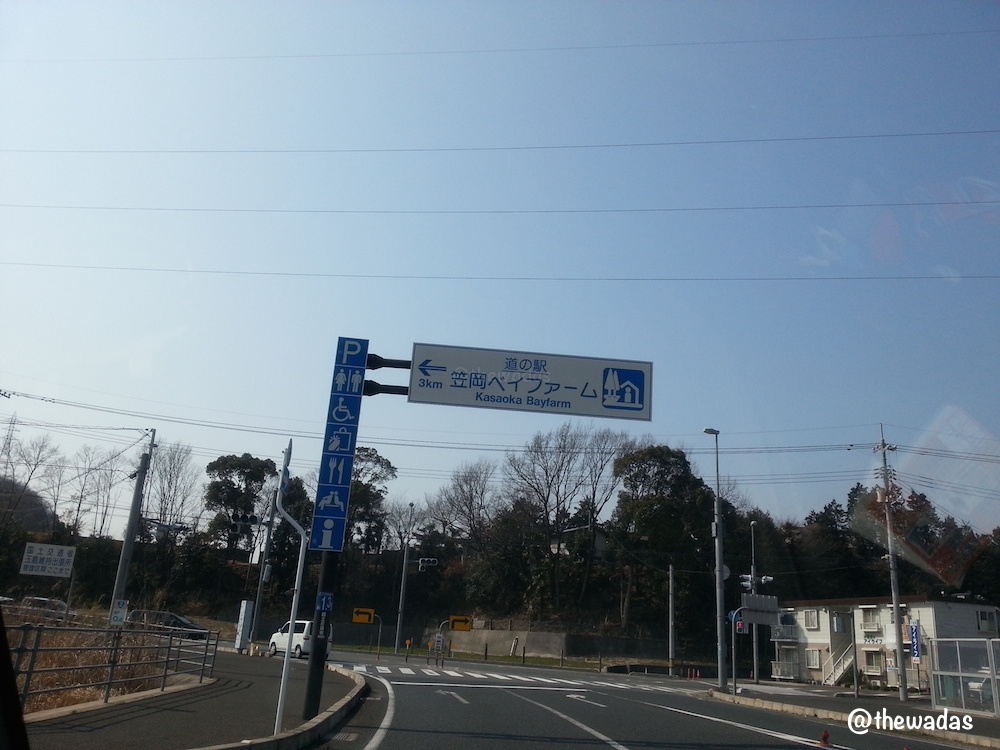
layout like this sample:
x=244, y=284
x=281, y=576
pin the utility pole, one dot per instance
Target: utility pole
x=720, y=605
x=753, y=590
x=264, y=566
x=670, y=648
x=135, y=513
x=897, y=624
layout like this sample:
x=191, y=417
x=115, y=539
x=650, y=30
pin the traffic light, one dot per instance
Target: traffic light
x=426, y=562
x=746, y=581
x=740, y=627
x=241, y=521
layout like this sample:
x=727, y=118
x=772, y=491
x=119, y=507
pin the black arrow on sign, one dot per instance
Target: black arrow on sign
x=427, y=368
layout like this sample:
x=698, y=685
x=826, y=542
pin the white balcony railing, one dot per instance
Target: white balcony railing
x=783, y=633
x=784, y=670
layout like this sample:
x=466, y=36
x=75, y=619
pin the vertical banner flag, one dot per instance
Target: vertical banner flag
x=334, y=487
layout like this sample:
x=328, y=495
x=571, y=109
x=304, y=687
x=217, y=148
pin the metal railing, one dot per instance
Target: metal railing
x=785, y=670
x=784, y=633
x=86, y=664
x=835, y=667
x=964, y=674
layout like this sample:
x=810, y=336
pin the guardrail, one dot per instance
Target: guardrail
x=81, y=664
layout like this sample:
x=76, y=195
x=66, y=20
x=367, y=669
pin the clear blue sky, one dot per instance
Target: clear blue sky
x=790, y=208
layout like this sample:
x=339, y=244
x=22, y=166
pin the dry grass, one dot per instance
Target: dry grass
x=74, y=665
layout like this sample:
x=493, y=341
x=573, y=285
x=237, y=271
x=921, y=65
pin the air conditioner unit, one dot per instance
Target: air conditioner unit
x=875, y=683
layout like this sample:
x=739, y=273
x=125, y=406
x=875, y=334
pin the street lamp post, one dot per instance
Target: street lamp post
x=720, y=604
x=402, y=582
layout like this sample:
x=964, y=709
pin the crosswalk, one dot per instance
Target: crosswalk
x=511, y=679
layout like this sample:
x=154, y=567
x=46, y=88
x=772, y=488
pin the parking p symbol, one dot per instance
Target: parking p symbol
x=352, y=348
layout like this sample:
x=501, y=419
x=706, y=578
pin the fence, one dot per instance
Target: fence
x=60, y=665
x=964, y=673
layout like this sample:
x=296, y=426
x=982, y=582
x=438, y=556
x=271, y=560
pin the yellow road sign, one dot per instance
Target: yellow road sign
x=363, y=616
x=460, y=622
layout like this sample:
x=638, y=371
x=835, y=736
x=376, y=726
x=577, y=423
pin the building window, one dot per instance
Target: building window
x=986, y=621
x=811, y=619
x=870, y=620
x=873, y=662
x=812, y=658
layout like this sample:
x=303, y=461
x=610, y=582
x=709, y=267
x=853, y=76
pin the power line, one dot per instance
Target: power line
x=512, y=50
x=539, y=279
x=496, y=211
x=488, y=149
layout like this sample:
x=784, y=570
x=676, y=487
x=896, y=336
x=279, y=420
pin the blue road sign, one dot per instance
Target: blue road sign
x=324, y=601
x=339, y=443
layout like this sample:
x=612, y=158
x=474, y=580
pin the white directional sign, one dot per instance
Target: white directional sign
x=47, y=560
x=527, y=381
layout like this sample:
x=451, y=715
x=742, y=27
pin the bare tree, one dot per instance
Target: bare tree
x=547, y=474
x=84, y=465
x=402, y=519
x=470, y=499
x=173, y=485
x=54, y=482
x=603, y=447
x=23, y=462
x=439, y=512
x=106, y=486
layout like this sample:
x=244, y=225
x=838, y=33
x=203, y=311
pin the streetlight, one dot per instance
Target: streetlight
x=402, y=581
x=720, y=604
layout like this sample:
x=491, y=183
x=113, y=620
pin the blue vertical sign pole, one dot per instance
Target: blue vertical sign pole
x=339, y=443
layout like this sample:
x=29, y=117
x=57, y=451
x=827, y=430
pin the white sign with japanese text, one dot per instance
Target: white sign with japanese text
x=47, y=560
x=527, y=381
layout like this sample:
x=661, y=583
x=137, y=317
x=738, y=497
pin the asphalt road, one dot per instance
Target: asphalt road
x=240, y=705
x=462, y=706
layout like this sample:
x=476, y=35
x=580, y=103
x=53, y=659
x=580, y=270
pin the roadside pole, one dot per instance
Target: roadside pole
x=132, y=527
x=296, y=592
x=320, y=641
x=263, y=563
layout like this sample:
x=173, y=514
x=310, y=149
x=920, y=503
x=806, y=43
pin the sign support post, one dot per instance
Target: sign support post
x=296, y=592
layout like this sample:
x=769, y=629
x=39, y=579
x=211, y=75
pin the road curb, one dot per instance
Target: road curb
x=839, y=716
x=309, y=733
x=114, y=700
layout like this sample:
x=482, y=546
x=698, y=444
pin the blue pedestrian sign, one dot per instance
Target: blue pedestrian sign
x=333, y=490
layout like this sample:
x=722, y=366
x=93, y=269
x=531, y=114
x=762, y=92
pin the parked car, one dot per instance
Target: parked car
x=54, y=609
x=302, y=639
x=159, y=619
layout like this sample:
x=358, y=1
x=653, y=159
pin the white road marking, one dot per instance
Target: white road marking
x=583, y=699
x=578, y=724
x=390, y=713
x=454, y=695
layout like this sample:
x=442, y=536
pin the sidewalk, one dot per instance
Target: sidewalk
x=239, y=704
x=837, y=704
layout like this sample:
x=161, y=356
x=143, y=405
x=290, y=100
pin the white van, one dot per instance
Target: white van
x=301, y=639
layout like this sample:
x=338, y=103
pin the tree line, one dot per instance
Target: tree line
x=578, y=530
